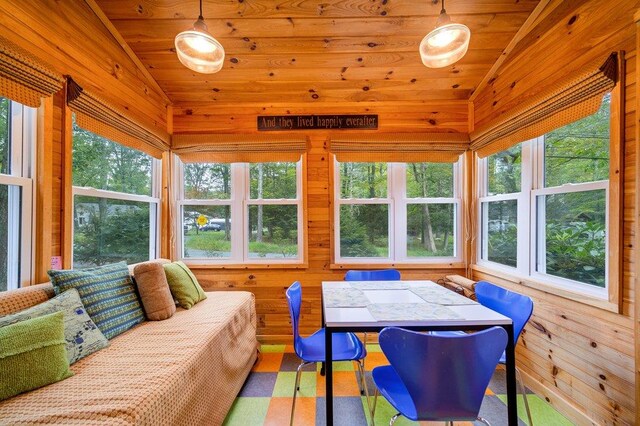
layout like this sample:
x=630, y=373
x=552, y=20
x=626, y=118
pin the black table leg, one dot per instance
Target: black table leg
x=329, y=375
x=512, y=400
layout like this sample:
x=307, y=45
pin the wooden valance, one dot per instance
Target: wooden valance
x=97, y=116
x=563, y=104
x=23, y=78
x=400, y=147
x=227, y=148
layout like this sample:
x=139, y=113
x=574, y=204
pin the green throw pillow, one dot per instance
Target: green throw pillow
x=81, y=334
x=32, y=354
x=183, y=284
x=107, y=293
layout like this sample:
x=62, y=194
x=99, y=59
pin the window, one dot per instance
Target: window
x=397, y=212
x=544, y=206
x=241, y=212
x=116, y=202
x=17, y=133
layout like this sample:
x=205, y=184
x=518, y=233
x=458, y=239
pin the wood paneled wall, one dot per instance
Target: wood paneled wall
x=580, y=358
x=269, y=285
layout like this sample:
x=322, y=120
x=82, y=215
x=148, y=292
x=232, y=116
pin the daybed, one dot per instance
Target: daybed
x=185, y=370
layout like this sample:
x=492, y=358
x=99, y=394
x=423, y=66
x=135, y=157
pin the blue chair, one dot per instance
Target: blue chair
x=311, y=350
x=380, y=275
x=516, y=306
x=437, y=378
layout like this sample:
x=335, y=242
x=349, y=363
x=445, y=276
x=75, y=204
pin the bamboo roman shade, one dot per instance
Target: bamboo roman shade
x=23, y=79
x=97, y=116
x=563, y=104
x=400, y=147
x=221, y=148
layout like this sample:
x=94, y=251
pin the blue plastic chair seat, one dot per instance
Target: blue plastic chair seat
x=346, y=347
x=393, y=389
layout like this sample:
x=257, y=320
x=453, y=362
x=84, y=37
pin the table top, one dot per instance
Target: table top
x=401, y=304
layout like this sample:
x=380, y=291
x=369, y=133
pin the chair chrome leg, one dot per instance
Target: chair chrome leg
x=393, y=419
x=363, y=383
x=375, y=401
x=365, y=347
x=296, y=388
x=523, y=389
x=483, y=420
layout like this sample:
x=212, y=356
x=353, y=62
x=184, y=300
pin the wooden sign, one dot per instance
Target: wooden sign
x=317, y=122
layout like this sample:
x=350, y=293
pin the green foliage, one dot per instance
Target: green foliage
x=363, y=180
x=5, y=137
x=207, y=181
x=272, y=180
x=505, y=171
x=114, y=231
x=364, y=230
x=4, y=193
x=429, y=180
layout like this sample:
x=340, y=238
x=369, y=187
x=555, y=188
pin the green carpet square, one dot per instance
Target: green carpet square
x=247, y=411
x=272, y=348
x=542, y=413
x=286, y=380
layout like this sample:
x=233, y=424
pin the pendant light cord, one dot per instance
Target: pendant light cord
x=442, y=11
x=201, y=17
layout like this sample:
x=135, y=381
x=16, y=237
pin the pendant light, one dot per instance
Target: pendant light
x=198, y=50
x=446, y=44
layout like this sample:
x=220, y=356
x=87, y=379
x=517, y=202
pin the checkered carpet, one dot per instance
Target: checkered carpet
x=267, y=394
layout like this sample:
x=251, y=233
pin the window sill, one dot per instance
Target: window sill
x=398, y=265
x=245, y=266
x=586, y=299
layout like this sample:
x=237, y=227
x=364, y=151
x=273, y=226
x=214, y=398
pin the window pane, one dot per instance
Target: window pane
x=273, y=180
x=102, y=164
x=579, y=152
x=429, y=180
x=502, y=243
x=575, y=232
x=364, y=230
x=107, y=231
x=430, y=230
x=504, y=171
x=10, y=224
x=273, y=231
x=363, y=180
x=207, y=181
x=5, y=135
x=207, y=231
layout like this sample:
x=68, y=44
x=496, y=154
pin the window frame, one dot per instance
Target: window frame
x=20, y=247
x=398, y=201
x=154, y=201
x=240, y=200
x=530, y=245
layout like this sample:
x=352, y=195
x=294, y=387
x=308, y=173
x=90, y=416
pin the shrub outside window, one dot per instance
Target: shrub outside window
x=241, y=212
x=115, y=202
x=555, y=188
x=397, y=212
x=17, y=133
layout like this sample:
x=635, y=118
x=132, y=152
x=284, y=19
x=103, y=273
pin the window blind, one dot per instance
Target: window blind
x=23, y=79
x=563, y=103
x=399, y=147
x=97, y=116
x=227, y=148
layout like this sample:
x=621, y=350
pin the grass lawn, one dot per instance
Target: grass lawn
x=215, y=242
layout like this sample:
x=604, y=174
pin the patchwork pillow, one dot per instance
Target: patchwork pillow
x=183, y=284
x=108, y=294
x=80, y=333
x=154, y=290
x=32, y=354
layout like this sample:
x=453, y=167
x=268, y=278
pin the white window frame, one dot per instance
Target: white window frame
x=239, y=201
x=20, y=247
x=153, y=200
x=397, y=201
x=531, y=246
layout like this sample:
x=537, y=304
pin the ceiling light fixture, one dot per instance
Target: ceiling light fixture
x=446, y=44
x=198, y=50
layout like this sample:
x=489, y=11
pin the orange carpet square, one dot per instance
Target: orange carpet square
x=345, y=383
x=279, y=412
x=268, y=362
x=375, y=359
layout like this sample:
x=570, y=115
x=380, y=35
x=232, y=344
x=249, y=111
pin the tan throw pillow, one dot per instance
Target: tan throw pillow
x=184, y=285
x=157, y=301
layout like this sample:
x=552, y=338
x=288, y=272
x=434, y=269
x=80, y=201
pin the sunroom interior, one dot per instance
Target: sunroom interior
x=322, y=145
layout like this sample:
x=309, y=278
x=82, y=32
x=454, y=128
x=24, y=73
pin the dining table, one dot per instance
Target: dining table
x=423, y=305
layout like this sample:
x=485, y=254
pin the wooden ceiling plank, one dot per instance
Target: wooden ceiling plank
x=172, y=9
x=522, y=32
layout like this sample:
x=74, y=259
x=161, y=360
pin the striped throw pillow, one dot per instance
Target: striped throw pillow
x=108, y=295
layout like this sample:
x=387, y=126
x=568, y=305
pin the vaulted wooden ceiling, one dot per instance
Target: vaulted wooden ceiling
x=303, y=51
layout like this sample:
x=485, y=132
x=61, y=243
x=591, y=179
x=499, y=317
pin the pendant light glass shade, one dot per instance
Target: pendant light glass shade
x=198, y=50
x=446, y=44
